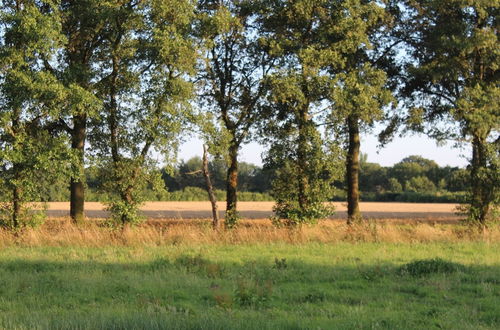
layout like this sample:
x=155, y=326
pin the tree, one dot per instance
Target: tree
x=356, y=32
x=31, y=153
x=230, y=84
x=147, y=57
x=420, y=184
x=394, y=185
x=452, y=85
x=83, y=24
x=372, y=177
x=305, y=163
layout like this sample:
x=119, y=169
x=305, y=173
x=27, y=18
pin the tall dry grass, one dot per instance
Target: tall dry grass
x=178, y=232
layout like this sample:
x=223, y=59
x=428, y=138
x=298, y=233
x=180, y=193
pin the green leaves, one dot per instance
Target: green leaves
x=33, y=155
x=453, y=82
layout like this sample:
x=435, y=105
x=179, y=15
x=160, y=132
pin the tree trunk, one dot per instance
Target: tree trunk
x=77, y=198
x=480, y=202
x=16, y=190
x=210, y=189
x=303, y=181
x=352, y=168
x=16, y=206
x=126, y=196
x=232, y=181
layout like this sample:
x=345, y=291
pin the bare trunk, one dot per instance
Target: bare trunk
x=232, y=181
x=480, y=203
x=210, y=189
x=352, y=167
x=77, y=198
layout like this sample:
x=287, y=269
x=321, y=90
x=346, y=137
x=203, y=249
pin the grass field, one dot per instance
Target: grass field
x=180, y=274
x=256, y=286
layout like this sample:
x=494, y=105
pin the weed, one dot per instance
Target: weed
x=223, y=299
x=372, y=273
x=160, y=263
x=197, y=264
x=192, y=263
x=252, y=293
x=430, y=266
x=313, y=298
x=280, y=263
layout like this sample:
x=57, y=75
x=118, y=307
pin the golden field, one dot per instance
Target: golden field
x=262, y=210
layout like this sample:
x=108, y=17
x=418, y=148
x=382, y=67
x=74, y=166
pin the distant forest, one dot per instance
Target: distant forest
x=413, y=179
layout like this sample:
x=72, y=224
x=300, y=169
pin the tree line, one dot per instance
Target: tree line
x=111, y=85
x=413, y=179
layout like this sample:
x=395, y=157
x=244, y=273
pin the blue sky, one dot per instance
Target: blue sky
x=389, y=155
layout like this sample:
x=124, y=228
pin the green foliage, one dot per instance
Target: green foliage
x=306, y=163
x=419, y=184
x=250, y=293
x=430, y=266
x=149, y=55
x=415, y=197
x=300, y=190
x=230, y=84
x=125, y=187
x=394, y=185
x=231, y=219
x=452, y=85
x=32, y=154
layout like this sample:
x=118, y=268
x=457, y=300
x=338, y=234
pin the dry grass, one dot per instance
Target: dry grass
x=175, y=232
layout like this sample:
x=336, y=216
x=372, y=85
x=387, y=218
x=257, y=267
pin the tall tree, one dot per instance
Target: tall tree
x=231, y=82
x=305, y=163
x=82, y=24
x=453, y=85
x=355, y=32
x=30, y=101
x=147, y=57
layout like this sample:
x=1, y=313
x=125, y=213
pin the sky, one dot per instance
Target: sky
x=389, y=155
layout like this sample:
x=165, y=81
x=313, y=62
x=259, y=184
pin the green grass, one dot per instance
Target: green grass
x=312, y=286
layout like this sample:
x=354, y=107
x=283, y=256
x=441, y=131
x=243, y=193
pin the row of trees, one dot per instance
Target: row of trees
x=413, y=179
x=113, y=84
x=413, y=176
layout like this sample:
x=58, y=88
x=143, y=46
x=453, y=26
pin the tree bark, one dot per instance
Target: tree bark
x=303, y=181
x=16, y=190
x=232, y=181
x=352, y=170
x=210, y=189
x=16, y=206
x=77, y=198
x=480, y=202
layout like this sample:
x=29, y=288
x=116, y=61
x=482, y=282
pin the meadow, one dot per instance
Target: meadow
x=181, y=274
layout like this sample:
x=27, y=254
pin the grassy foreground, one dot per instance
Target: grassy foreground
x=252, y=286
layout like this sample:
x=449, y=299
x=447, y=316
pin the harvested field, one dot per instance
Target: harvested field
x=262, y=210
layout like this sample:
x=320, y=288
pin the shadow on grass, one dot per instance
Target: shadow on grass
x=192, y=291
